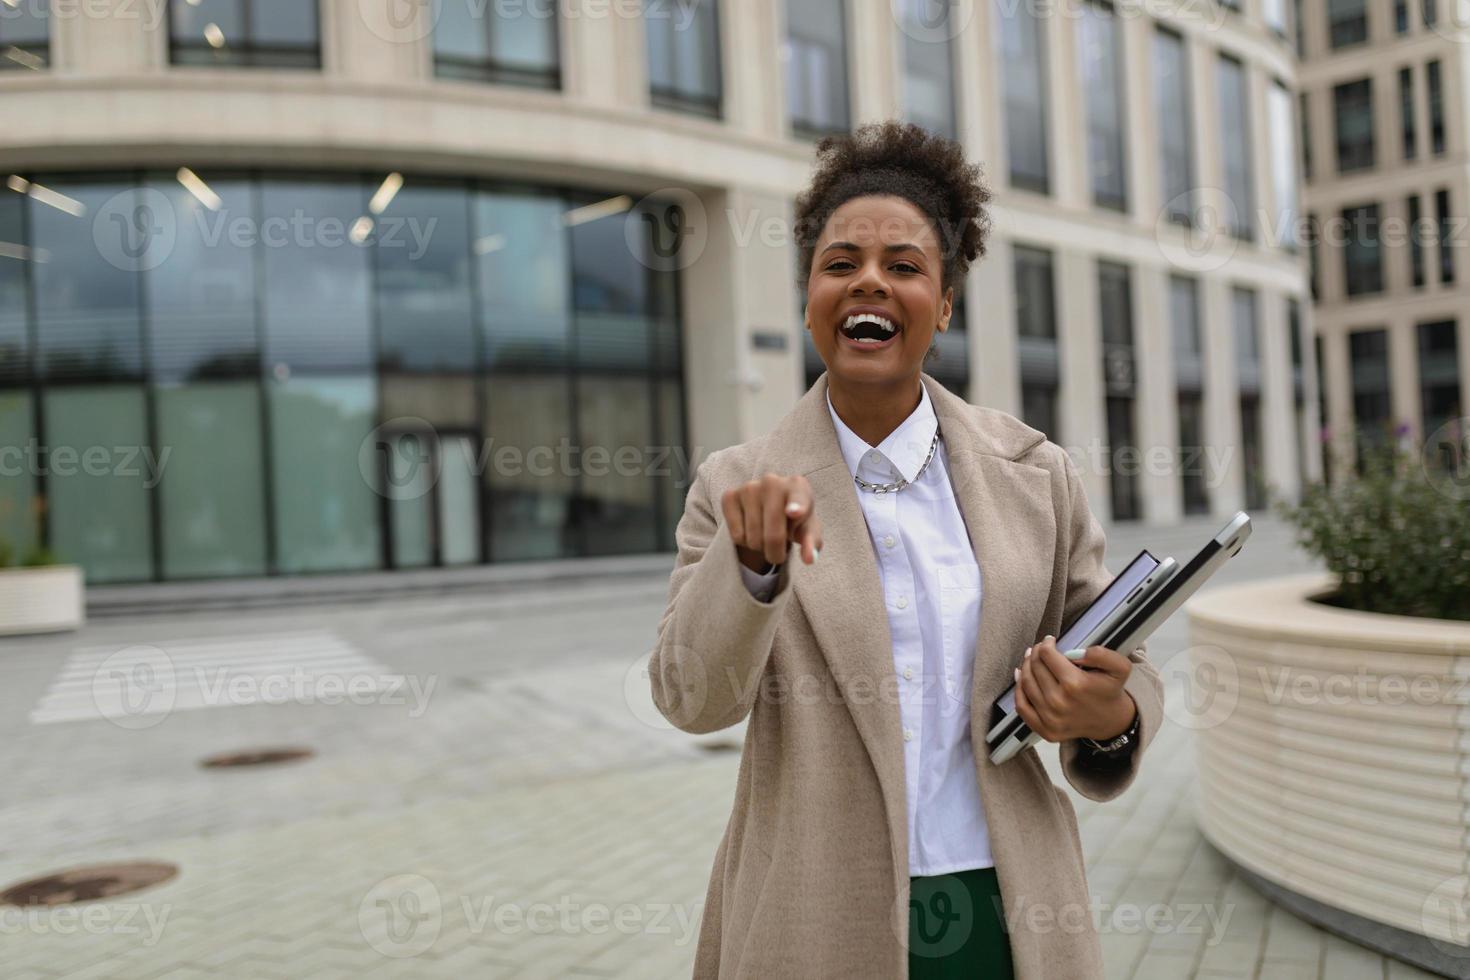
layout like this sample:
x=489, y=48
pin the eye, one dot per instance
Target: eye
x=908, y=266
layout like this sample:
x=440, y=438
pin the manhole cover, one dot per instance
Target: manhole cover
x=259, y=757
x=88, y=884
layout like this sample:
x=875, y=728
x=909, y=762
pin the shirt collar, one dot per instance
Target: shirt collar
x=900, y=455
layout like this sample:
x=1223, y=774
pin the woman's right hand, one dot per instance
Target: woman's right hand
x=766, y=515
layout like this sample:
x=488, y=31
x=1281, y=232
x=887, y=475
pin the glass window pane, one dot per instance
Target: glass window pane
x=523, y=35
x=190, y=20
x=1171, y=104
x=1023, y=51
x=87, y=289
x=458, y=501
x=318, y=311
x=410, y=460
x=1361, y=254
x=201, y=298
x=1234, y=101
x=422, y=248
x=1347, y=22
x=1283, y=162
x=19, y=464
x=213, y=493
x=1099, y=50
x=816, y=65
x=617, y=499
x=530, y=478
x=1035, y=293
x=520, y=247
x=1184, y=315
x=1439, y=387
x=1353, y=106
x=25, y=29
x=98, y=478
x=15, y=257
x=326, y=511
x=610, y=290
x=1372, y=406
x=459, y=30
x=929, y=65
x=285, y=23
x=1409, y=146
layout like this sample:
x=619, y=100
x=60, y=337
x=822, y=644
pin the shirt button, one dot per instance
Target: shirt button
x=903, y=602
x=908, y=673
x=908, y=734
x=889, y=542
x=875, y=456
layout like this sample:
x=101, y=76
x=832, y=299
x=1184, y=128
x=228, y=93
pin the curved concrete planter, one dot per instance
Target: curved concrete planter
x=1334, y=754
x=41, y=600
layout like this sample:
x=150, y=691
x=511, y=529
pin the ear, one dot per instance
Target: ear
x=945, y=310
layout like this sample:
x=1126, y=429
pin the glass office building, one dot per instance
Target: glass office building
x=248, y=373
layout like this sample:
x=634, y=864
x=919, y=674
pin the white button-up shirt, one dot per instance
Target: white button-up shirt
x=931, y=593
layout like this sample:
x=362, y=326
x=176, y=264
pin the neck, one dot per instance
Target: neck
x=872, y=413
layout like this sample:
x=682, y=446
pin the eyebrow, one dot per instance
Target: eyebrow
x=851, y=247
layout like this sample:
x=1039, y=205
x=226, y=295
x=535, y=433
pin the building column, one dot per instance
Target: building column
x=750, y=56
x=1067, y=134
x=1403, y=377
x=1278, y=405
x=109, y=37
x=1225, y=476
x=1338, y=373
x=995, y=365
x=981, y=98
x=873, y=59
x=391, y=41
x=1157, y=406
x=604, y=55
x=1141, y=149
x=738, y=292
x=1082, y=408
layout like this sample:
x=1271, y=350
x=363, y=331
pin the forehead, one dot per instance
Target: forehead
x=879, y=219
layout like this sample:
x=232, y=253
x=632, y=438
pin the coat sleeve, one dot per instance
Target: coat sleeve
x=1086, y=579
x=714, y=637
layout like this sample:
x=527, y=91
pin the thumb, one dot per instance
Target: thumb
x=1110, y=662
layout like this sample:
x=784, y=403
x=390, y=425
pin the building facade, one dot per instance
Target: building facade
x=292, y=287
x=1384, y=113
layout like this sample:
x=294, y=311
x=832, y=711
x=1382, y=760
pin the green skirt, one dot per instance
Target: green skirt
x=957, y=928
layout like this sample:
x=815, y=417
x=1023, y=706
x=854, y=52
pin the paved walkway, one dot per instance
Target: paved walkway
x=512, y=806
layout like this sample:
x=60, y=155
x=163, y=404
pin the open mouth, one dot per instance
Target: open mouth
x=869, y=329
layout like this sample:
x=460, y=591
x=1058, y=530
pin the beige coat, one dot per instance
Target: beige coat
x=811, y=878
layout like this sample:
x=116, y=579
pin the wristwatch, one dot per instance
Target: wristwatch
x=1119, y=745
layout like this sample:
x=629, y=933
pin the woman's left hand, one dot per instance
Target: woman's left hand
x=1060, y=700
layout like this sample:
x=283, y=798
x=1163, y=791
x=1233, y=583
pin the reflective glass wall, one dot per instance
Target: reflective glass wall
x=246, y=373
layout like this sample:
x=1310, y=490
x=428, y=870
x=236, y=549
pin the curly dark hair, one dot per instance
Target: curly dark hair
x=899, y=158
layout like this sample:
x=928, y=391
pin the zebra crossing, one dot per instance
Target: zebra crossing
x=138, y=686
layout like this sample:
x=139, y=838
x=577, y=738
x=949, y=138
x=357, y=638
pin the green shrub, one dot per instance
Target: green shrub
x=39, y=556
x=1398, y=542
x=7, y=554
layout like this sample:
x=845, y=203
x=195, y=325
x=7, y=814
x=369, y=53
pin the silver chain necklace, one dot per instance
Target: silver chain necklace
x=895, y=487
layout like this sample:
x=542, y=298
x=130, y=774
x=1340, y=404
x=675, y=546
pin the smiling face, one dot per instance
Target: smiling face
x=878, y=259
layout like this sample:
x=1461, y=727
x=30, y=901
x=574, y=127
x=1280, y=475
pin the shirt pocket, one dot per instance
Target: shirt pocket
x=959, y=618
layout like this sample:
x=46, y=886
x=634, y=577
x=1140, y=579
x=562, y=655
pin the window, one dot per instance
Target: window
x=1283, y=162
x=1099, y=46
x=1035, y=293
x=521, y=251
x=1439, y=384
x=1362, y=255
x=25, y=35
x=1446, y=243
x=928, y=65
x=1410, y=145
x=1347, y=22
x=15, y=344
x=1353, y=105
x=1020, y=34
x=1274, y=12
x=1184, y=319
x=684, y=54
x=1436, y=108
x=1171, y=106
x=1243, y=308
x=1247, y=341
x=1192, y=474
x=1234, y=101
x=246, y=33
x=1189, y=384
x=1400, y=16
x=515, y=44
x=816, y=67
x=1372, y=408
x=1416, y=241
x=1298, y=28
x=1431, y=12
x=1115, y=314
x=421, y=251
x=1314, y=256
x=1304, y=119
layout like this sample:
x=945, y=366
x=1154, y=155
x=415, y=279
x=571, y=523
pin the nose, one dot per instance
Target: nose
x=869, y=278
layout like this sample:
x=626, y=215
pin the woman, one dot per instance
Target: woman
x=939, y=548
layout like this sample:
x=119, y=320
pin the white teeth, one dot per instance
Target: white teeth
x=887, y=325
